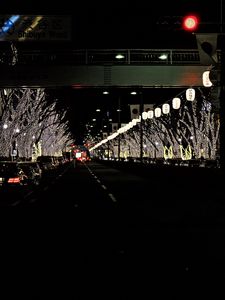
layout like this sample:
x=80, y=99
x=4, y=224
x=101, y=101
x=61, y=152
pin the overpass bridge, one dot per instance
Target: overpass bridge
x=103, y=68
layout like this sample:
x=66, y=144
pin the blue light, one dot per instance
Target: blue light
x=8, y=24
x=13, y=19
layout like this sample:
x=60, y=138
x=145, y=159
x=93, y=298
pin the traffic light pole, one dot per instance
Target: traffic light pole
x=119, y=125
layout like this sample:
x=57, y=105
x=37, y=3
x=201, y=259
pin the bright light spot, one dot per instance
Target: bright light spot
x=8, y=24
x=120, y=56
x=133, y=93
x=5, y=126
x=163, y=56
x=206, y=80
x=190, y=23
x=105, y=93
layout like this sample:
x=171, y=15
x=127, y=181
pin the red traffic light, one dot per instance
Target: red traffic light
x=190, y=23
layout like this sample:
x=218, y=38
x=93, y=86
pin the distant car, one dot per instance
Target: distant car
x=46, y=162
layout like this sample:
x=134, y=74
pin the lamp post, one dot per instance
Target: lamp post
x=119, y=125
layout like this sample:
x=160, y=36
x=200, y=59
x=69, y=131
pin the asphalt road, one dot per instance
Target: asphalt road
x=112, y=233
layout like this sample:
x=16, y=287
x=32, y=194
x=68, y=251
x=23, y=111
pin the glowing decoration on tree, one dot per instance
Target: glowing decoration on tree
x=186, y=153
x=193, y=125
x=27, y=118
x=168, y=152
x=176, y=103
x=190, y=94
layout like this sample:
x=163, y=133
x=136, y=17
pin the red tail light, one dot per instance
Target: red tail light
x=14, y=180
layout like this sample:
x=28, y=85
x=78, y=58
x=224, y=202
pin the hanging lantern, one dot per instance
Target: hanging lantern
x=134, y=122
x=190, y=94
x=166, y=108
x=176, y=103
x=206, y=80
x=158, y=112
x=150, y=114
x=144, y=115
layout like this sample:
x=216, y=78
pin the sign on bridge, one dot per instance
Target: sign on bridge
x=35, y=28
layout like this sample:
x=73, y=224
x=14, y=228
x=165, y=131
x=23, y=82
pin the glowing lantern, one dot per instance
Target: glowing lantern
x=144, y=115
x=206, y=80
x=190, y=94
x=176, y=103
x=158, y=112
x=150, y=114
x=166, y=108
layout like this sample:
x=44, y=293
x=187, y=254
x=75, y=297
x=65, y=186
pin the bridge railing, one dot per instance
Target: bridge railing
x=109, y=56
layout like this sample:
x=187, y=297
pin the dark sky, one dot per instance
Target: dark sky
x=114, y=25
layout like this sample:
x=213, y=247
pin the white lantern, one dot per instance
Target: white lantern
x=166, y=108
x=134, y=122
x=205, y=79
x=150, y=114
x=157, y=112
x=190, y=94
x=144, y=115
x=176, y=103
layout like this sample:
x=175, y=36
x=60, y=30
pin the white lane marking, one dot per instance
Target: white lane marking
x=15, y=203
x=102, y=185
x=28, y=194
x=112, y=197
x=32, y=200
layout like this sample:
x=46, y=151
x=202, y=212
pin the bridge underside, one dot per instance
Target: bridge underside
x=102, y=75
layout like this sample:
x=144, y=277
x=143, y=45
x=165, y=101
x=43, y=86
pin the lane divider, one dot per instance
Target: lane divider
x=111, y=196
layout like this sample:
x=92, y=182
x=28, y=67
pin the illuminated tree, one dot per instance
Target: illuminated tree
x=28, y=120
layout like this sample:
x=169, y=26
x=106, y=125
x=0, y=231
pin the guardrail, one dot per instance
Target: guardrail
x=110, y=56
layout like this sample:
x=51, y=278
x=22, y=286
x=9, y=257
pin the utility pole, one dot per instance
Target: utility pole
x=141, y=126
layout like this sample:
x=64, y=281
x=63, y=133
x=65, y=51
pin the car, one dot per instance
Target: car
x=11, y=175
x=33, y=172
